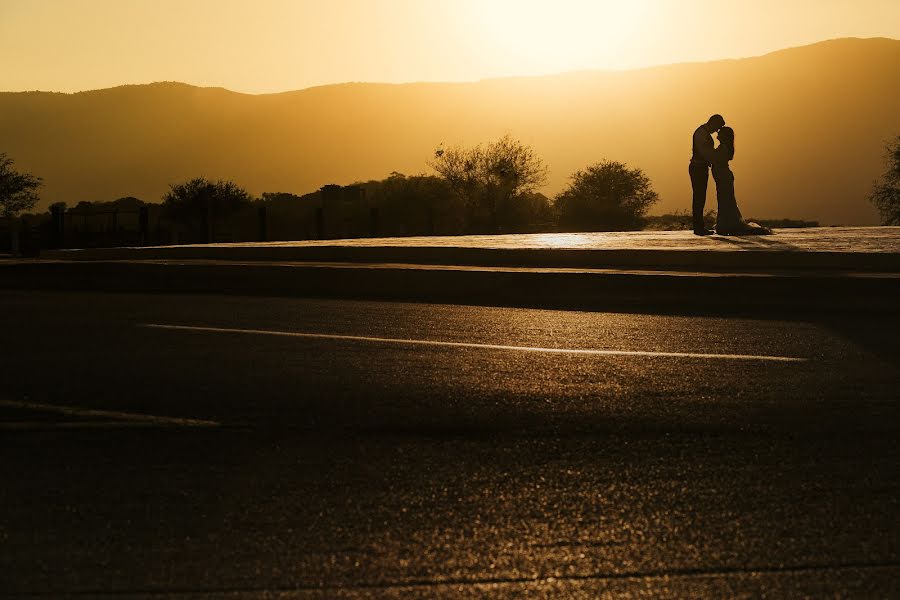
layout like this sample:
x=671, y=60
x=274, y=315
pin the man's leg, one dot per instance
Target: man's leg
x=699, y=183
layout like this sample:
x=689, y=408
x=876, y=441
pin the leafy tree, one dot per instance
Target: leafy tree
x=526, y=212
x=418, y=205
x=125, y=203
x=199, y=202
x=540, y=210
x=18, y=191
x=886, y=193
x=278, y=197
x=61, y=206
x=491, y=179
x=607, y=196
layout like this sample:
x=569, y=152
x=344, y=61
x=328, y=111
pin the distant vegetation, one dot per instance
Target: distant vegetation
x=678, y=221
x=418, y=205
x=490, y=188
x=607, y=196
x=784, y=223
x=886, y=193
x=196, y=204
x=18, y=191
x=682, y=220
x=493, y=182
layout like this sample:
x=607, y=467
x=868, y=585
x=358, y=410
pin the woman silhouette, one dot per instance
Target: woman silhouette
x=729, y=220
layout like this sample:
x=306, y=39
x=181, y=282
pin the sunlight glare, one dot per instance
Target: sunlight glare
x=539, y=35
x=563, y=240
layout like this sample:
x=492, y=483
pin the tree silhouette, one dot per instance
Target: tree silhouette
x=197, y=203
x=607, y=196
x=886, y=193
x=417, y=205
x=490, y=179
x=18, y=191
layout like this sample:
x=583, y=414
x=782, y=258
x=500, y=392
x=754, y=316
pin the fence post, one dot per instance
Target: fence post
x=320, y=224
x=30, y=244
x=143, y=223
x=373, y=221
x=209, y=221
x=14, y=234
x=263, y=224
x=56, y=226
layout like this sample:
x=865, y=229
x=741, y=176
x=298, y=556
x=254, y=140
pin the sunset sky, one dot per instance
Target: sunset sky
x=275, y=45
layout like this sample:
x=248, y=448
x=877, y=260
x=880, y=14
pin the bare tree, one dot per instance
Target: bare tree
x=18, y=191
x=886, y=193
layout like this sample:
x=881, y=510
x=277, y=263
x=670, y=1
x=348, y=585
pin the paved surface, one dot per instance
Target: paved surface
x=854, y=269
x=192, y=446
x=873, y=249
x=810, y=239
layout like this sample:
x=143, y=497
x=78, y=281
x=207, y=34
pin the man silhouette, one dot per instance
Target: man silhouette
x=701, y=161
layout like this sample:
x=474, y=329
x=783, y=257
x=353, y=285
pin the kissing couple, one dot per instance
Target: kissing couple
x=705, y=156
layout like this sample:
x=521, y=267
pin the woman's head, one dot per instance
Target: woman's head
x=726, y=136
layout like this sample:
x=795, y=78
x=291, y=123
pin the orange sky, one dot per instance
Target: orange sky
x=261, y=46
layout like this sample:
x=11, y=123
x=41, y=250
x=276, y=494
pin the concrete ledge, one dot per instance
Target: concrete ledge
x=855, y=269
x=525, y=257
x=872, y=249
x=577, y=289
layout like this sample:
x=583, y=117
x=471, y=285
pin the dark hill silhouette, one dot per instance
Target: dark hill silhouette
x=811, y=124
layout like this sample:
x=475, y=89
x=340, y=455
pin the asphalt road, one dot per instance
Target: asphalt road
x=197, y=446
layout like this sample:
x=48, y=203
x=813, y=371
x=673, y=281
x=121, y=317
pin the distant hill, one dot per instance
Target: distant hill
x=811, y=124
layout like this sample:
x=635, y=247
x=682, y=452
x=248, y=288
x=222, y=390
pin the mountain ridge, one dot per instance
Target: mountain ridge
x=798, y=154
x=577, y=72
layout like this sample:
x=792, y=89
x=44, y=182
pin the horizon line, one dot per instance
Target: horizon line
x=453, y=82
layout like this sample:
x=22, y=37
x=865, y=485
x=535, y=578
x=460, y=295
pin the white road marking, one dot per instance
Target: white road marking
x=380, y=340
x=117, y=419
x=75, y=425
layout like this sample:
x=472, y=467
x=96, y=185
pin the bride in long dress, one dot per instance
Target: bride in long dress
x=729, y=220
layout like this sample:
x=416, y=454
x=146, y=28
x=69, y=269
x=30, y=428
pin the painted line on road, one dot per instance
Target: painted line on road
x=79, y=425
x=118, y=419
x=408, y=342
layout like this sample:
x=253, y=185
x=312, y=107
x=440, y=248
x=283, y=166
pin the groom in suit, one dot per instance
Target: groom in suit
x=701, y=161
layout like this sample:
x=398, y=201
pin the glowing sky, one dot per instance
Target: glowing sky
x=275, y=45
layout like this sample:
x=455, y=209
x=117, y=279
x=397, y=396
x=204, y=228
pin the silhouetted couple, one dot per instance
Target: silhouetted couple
x=705, y=156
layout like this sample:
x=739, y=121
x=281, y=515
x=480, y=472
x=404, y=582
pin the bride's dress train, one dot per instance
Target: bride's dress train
x=729, y=220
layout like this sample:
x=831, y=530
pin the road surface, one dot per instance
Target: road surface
x=196, y=446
